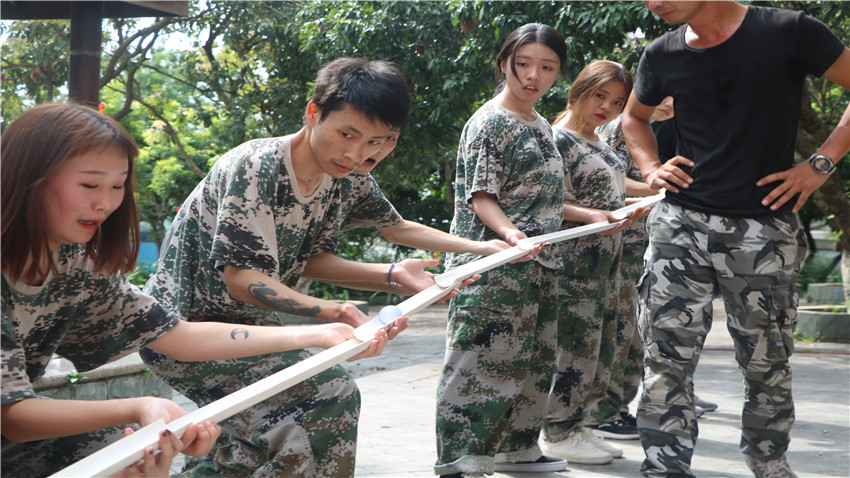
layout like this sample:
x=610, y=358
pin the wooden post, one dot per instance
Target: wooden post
x=84, y=67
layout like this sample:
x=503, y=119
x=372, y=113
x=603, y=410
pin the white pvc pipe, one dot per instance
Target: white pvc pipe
x=648, y=201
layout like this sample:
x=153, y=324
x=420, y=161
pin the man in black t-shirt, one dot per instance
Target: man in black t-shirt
x=729, y=223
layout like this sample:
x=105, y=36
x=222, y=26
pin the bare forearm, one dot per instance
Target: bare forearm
x=583, y=214
x=37, y=419
x=419, y=236
x=326, y=267
x=640, y=138
x=405, y=277
x=491, y=214
x=838, y=142
x=642, y=144
x=638, y=188
x=220, y=341
x=259, y=289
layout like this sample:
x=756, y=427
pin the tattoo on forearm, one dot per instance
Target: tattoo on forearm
x=237, y=331
x=269, y=298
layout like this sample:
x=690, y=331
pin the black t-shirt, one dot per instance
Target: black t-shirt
x=737, y=104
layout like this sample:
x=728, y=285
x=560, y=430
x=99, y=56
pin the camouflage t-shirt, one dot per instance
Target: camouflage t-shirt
x=89, y=318
x=247, y=213
x=357, y=203
x=517, y=162
x=594, y=176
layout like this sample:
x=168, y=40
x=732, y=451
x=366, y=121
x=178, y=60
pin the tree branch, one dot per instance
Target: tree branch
x=127, y=107
x=190, y=163
x=119, y=58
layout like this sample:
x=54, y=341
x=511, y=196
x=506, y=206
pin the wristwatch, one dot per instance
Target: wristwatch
x=821, y=164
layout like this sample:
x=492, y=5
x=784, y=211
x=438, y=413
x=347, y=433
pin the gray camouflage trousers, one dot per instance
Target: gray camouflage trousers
x=308, y=430
x=627, y=369
x=692, y=257
x=45, y=457
x=498, y=369
x=588, y=296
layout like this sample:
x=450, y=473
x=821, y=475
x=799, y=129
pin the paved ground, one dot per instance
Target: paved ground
x=397, y=423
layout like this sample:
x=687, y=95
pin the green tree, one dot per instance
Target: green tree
x=34, y=64
x=246, y=71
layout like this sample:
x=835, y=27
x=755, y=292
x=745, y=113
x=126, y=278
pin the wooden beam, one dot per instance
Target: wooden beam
x=54, y=10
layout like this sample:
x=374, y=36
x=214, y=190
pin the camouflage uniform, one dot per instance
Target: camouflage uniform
x=501, y=332
x=249, y=214
x=86, y=317
x=358, y=203
x=627, y=368
x=588, y=286
x=693, y=256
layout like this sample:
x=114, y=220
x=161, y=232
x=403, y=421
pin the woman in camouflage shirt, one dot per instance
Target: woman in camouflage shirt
x=501, y=332
x=595, y=185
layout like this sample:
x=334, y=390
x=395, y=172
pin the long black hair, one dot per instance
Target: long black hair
x=531, y=33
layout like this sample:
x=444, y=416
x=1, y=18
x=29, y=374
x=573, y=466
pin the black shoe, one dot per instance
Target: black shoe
x=629, y=418
x=541, y=465
x=623, y=428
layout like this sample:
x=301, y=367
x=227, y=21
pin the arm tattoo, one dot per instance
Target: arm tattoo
x=237, y=331
x=269, y=298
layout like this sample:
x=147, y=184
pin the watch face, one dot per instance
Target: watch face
x=821, y=164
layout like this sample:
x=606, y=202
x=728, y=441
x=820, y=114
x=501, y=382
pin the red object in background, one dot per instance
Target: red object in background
x=101, y=106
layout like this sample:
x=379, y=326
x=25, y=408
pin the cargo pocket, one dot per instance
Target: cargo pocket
x=644, y=327
x=782, y=318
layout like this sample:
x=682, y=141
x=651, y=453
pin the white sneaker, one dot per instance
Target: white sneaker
x=575, y=449
x=594, y=440
x=706, y=405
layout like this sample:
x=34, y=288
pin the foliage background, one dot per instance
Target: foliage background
x=189, y=89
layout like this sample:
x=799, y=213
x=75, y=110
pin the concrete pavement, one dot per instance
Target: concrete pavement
x=399, y=388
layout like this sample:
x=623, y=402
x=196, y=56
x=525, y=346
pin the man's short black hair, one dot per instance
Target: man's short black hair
x=377, y=88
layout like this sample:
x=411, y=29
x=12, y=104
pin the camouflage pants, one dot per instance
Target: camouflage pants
x=308, y=430
x=46, y=457
x=498, y=369
x=588, y=296
x=627, y=369
x=754, y=264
